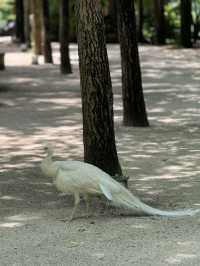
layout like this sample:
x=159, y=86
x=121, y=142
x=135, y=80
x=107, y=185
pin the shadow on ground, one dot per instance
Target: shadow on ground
x=39, y=104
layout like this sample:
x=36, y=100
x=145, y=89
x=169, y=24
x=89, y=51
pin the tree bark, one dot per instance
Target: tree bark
x=141, y=22
x=111, y=22
x=27, y=27
x=134, y=111
x=36, y=27
x=196, y=26
x=186, y=21
x=65, y=65
x=96, y=87
x=20, y=36
x=159, y=21
x=46, y=33
x=2, y=63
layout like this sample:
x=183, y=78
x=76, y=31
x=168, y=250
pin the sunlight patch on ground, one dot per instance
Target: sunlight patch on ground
x=60, y=102
x=11, y=225
x=162, y=161
x=140, y=226
x=18, y=220
x=163, y=176
x=23, y=217
x=6, y=197
x=181, y=258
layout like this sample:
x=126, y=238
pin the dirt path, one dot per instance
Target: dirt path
x=38, y=104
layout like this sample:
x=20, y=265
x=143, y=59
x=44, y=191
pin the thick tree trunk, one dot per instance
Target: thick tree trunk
x=20, y=36
x=133, y=98
x=97, y=98
x=159, y=21
x=37, y=27
x=65, y=65
x=46, y=33
x=186, y=21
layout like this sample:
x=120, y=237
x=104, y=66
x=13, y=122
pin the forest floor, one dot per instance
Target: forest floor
x=38, y=104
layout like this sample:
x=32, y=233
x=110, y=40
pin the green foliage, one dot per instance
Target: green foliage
x=172, y=16
x=104, y=3
x=54, y=20
x=6, y=10
x=195, y=10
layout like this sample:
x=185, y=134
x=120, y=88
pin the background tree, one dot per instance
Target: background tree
x=36, y=27
x=160, y=30
x=46, y=32
x=186, y=21
x=20, y=36
x=141, y=37
x=196, y=19
x=110, y=19
x=27, y=23
x=134, y=111
x=97, y=98
x=65, y=65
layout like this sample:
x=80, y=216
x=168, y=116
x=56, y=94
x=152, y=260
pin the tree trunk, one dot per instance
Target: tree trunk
x=112, y=9
x=111, y=22
x=65, y=65
x=37, y=27
x=159, y=21
x=186, y=21
x=46, y=33
x=97, y=98
x=27, y=28
x=196, y=26
x=141, y=21
x=20, y=36
x=134, y=111
x=2, y=63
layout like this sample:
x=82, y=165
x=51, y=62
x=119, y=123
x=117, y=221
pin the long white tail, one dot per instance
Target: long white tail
x=128, y=200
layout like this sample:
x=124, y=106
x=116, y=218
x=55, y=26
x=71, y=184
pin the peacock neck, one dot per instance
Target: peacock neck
x=48, y=166
x=49, y=157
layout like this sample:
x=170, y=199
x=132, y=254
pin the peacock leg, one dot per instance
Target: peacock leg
x=76, y=203
x=86, y=199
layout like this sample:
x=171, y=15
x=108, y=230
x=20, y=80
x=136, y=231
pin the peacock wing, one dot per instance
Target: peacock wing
x=110, y=187
x=77, y=179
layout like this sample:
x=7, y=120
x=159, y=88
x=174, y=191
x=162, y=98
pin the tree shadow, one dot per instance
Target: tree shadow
x=40, y=105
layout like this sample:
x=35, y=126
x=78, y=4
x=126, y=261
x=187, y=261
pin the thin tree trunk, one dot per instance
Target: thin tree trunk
x=97, y=98
x=27, y=23
x=186, y=21
x=2, y=62
x=112, y=10
x=159, y=21
x=111, y=22
x=134, y=111
x=65, y=65
x=20, y=36
x=196, y=25
x=46, y=33
x=37, y=27
x=141, y=21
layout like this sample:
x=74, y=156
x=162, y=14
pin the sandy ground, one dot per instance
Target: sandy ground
x=39, y=104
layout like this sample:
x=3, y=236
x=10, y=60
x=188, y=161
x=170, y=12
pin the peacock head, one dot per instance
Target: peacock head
x=48, y=149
